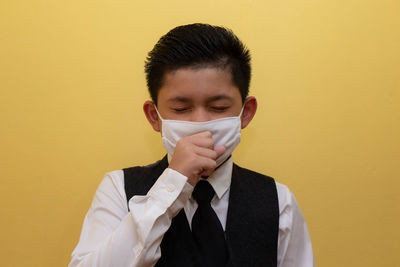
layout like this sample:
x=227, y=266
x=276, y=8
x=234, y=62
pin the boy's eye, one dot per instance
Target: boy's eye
x=219, y=108
x=180, y=110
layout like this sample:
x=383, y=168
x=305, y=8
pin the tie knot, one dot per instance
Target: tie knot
x=203, y=192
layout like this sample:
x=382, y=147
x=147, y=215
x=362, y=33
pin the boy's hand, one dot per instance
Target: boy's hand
x=195, y=156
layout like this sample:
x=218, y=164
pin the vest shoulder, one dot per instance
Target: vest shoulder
x=135, y=170
x=251, y=174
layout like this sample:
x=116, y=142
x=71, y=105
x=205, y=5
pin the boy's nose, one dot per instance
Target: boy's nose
x=200, y=115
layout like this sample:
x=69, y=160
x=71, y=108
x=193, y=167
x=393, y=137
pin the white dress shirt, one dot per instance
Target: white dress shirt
x=113, y=236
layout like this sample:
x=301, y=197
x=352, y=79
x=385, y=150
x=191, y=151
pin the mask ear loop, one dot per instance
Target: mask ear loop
x=241, y=111
x=158, y=113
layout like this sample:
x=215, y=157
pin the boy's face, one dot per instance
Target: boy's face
x=198, y=95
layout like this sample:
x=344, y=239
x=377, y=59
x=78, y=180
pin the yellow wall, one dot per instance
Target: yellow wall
x=326, y=74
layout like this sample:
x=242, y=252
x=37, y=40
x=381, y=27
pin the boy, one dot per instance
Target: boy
x=195, y=207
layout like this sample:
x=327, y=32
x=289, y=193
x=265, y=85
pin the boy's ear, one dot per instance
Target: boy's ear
x=249, y=110
x=151, y=115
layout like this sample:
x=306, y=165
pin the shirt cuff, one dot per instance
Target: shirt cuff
x=168, y=187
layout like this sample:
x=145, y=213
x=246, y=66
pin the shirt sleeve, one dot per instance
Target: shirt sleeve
x=294, y=243
x=112, y=236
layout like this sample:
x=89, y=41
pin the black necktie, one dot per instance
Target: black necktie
x=206, y=228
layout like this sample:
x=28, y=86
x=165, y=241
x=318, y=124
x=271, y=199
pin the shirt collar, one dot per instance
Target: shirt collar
x=220, y=179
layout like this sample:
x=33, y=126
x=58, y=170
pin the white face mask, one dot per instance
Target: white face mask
x=225, y=132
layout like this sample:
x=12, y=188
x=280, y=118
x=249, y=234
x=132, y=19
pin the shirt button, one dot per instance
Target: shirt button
x=171, y=188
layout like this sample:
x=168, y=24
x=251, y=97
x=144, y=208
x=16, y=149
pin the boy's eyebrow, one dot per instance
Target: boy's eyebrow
x=179, y=99
x=210, y=99
x=219, y=97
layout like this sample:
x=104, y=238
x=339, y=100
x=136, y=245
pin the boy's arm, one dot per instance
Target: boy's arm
x=112, y=236
x=294, y=243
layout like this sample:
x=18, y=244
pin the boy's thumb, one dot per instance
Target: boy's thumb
x=220, y=150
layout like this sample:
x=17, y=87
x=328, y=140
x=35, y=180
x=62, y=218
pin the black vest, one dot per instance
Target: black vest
x=252, y=222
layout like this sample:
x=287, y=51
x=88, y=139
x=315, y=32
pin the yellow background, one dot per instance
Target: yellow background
x=326, y=74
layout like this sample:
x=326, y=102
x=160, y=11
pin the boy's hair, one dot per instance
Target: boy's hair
x=198, y=46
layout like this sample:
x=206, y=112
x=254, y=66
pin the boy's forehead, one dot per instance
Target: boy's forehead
x=188, y=84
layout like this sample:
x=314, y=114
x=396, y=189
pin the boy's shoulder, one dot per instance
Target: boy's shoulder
x=162, y=163
x=244, y=172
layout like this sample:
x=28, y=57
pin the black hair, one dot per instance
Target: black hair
x=198, y=46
